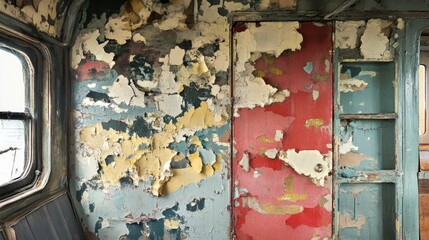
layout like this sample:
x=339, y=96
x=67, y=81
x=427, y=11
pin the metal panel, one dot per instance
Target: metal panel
x=281, y=166
x=72, y=223
x=23, y=231
x=41, y=224
x=59, y=220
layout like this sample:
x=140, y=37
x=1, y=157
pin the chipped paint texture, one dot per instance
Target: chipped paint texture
x=374, y=39
x=367, y=107
x=283, y=140
x=46, y=16
x=152, y=120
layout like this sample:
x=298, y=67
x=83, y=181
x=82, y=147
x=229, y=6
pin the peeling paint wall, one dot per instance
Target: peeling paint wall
x=282, y=131
x=152, y=120
x=368, y=180
x=46, y=16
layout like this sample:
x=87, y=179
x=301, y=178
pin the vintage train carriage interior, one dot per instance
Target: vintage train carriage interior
x=214, y=119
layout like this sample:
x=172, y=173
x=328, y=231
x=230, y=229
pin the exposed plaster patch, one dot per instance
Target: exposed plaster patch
x=270, y=37
x=139, y=38
x=176, y=56
x=315, y=95
x=271, y=153
x=346, y=221
x=244, y=162
x=253, y=91
x=269, y=208
x=351, y=159
x=121, y=91
x=351, y=85
x=347, y=146
x=170, y=104
x=278, y=135
x=347, y=33
x=375, y=43
x=117, y=29
x=310, y=163
x=400, y=24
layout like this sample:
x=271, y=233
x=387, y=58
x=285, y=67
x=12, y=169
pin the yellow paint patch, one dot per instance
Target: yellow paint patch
x=185, y=176
x=268, y=208
x=171, y=224
x=264, y=139
x=290, y=194
x=198, y=118
x=124, y=148
x=314, y=122
x=196, y=162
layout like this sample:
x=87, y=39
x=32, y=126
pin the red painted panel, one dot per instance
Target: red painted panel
x=272, y=200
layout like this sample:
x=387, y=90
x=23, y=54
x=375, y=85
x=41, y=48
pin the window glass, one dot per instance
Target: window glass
x=15, y=118
x=422, y=99
x=12, y=149
x=12, y=88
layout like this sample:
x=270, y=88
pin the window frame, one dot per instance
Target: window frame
x=35, y=55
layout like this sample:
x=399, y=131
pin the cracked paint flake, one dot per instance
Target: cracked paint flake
x=347, y=33
x=310, y=163
x=170, y=104
x=86, y=43
x=351, y=85
x=375, y=43
x=244, y=162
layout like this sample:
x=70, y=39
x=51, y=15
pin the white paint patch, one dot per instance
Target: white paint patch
x=351, y=85
x=92, y=85
x=167, y=84
x=176, y=56
x=244, y=162
x=368, y=73
x=170, y=104
x=139, y=38
x=346, y=34
x=87, y=42
x=256, y=174
x=253, y=91
x=271, y=153
x=348, y=146
x=269, y=37
x=278, y=135
x=375, y=45
x=315, y=95
x=327, y=65
x=400, y=24
x=120, y=91
x=310, y=163
x=117, y=29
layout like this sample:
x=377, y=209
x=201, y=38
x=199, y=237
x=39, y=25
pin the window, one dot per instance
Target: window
x=15, y=120
x=422, y=99
x=23, y=80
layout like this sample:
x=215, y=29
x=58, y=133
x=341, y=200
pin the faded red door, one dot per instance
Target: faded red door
x=282, y=130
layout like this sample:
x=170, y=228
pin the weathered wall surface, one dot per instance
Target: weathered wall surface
x=152, y=120
x=46, y=16
x=152, y=116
